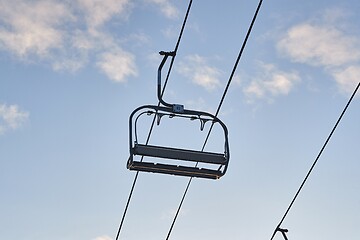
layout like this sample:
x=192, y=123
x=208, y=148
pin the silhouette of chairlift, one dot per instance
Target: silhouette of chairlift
x=218, y=161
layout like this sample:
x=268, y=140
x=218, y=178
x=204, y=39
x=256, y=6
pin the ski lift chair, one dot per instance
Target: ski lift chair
x=217, y=162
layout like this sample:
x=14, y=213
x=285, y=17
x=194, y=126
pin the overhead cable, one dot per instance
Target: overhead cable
x=217, y=111
x=153, y=121
x=315, y=162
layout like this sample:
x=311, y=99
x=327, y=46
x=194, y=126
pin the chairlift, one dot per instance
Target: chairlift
x=216, y=163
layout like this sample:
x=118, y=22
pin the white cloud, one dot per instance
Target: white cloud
x=237, y=79
x=281, y=83
x=319, y=45
x=348, y=78
x=11, y=117
x=255, y=89
x=100, y=11
x=68, y=64
x=325, y=42
x=105, y=237
x=32, y=27
x=200, y=73
x=169, y=214
x=117, y=65
x=198, y=104
x=66, y=35
x=168, y=9
x=271, y=82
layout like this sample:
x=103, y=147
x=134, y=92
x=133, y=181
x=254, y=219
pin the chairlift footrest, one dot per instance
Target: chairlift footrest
x=175, y=170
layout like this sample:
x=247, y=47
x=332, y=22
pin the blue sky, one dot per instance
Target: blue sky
x=73, y=71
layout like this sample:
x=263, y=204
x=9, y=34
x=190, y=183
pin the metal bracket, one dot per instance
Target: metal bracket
x=283, y=231
x=172, y=53
x=178, y=108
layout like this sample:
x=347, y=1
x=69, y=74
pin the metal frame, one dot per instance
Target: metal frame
x=220, y=160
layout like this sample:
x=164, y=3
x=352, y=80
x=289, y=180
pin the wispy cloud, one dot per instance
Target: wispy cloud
x=325, y=42
x=170, y=213
x=198, y=104
x=33, y=27
x=97, y=12
x=11, y=117
x=170, y=32
x=319, y=45
x=117, y=65
x=347, y=78
x=271, y=82
x=104, y=237
x=65, y=34
x=196, y=68
x=166, y=7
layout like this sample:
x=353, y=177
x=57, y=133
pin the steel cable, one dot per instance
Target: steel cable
x=316, y=160
x=217, y=111
x=153, y=121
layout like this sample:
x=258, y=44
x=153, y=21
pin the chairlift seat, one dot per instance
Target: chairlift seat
x=179, y=154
